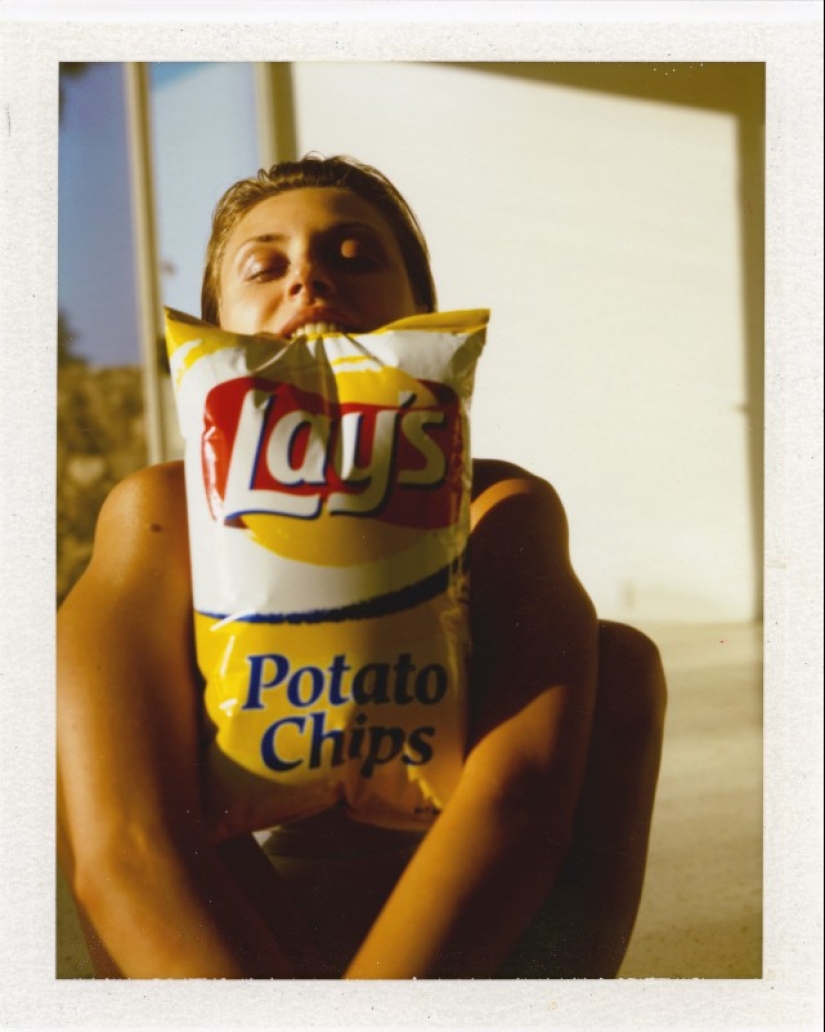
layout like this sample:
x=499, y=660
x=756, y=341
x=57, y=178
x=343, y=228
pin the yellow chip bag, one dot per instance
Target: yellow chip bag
x=328, y=490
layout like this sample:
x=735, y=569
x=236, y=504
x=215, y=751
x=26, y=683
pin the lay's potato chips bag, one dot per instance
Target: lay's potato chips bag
x=328, y=490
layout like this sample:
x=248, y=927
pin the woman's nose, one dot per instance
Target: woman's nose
x=309, y=276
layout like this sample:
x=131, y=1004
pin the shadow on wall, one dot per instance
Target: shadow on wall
x=84, y=466
x=736, y=89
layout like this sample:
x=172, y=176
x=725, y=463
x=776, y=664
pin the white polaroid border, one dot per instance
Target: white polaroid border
x=34, y=38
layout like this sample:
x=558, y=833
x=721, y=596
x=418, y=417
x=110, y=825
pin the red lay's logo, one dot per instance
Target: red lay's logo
x=278, y=458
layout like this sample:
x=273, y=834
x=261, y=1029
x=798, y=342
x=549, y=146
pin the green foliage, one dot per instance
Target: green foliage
x=66, y=340
x=100, y=439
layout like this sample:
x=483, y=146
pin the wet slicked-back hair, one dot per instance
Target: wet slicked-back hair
x=342, y=173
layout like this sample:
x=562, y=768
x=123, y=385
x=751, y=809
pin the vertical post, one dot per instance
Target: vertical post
x=751, y=146
x=146, y=264
x=276, y=112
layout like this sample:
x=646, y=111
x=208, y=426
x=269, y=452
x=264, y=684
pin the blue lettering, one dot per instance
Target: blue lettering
x=337, y=669
x=424, y=749
x=316, y=678
x=392, y=737
x=439, y=689
x=259, y=667
x=319, y=736
x=268, y=752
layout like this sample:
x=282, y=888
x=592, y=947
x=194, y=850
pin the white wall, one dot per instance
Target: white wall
x=603, y=232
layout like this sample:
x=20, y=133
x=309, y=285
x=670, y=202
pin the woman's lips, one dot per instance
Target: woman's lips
x=320, y=320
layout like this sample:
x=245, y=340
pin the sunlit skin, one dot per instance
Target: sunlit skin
x=551, y=814
x=312, y=255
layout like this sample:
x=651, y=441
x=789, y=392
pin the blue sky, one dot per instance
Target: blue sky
x=203, y=138
x=95, y=266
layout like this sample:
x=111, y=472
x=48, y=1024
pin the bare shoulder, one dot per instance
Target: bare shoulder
x=487, y=472
x=528, y=608
x=142, y=527
x=508, y=492
x=156, y=493
x=153, y=489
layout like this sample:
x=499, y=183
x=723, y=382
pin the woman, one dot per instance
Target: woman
x=535, y=866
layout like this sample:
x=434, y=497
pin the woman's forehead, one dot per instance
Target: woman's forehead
x=309, y=207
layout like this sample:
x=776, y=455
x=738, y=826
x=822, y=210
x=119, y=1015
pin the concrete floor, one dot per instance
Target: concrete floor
x=701, y=912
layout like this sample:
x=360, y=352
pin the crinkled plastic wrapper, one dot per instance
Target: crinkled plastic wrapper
x=328, y=491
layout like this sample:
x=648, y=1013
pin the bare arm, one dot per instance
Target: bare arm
x=493, y=855
x=134, y=848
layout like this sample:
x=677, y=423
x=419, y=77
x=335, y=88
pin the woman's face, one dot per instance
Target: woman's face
x=309, y=256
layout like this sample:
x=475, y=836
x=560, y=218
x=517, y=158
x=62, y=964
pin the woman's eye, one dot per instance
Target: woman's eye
x=355, y=255
x=265, y=268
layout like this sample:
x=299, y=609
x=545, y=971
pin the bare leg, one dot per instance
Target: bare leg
x=102, y=963
x=584, y=928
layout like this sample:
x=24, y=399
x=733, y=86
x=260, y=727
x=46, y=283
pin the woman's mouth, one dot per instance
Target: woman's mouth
x=314, y=323
x=315, y=329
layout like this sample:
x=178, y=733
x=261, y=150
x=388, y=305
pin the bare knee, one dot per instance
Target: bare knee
x=584, y=926
x=632, y=686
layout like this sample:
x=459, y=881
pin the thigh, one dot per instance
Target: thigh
x=340, y=898
x=584, y=927
x=321, y=892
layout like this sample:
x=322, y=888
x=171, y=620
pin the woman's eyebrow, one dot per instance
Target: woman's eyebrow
x=333, y=230
x=263, y=238
x=346, y=227
x=239, y=254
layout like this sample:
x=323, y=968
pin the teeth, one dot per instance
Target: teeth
x=316, y=329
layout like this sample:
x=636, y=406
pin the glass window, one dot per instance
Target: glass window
x=204, y=137
x=100, y=430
